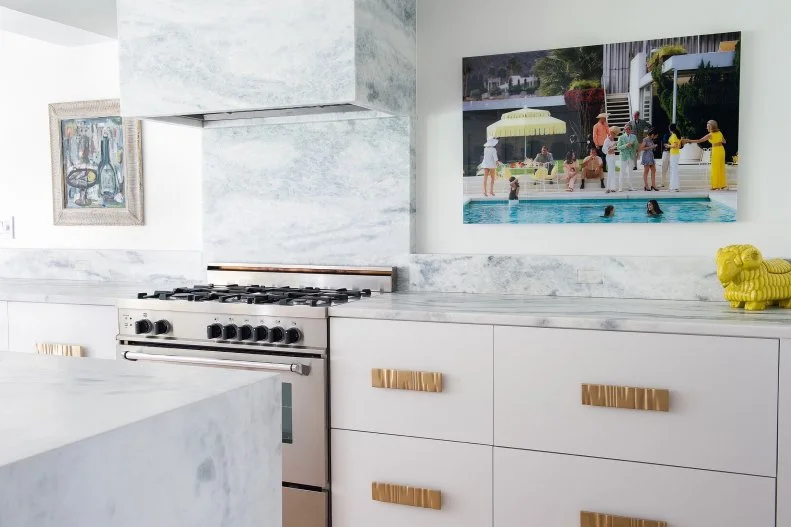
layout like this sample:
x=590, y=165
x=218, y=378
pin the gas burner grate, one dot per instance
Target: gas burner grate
x=256, y=294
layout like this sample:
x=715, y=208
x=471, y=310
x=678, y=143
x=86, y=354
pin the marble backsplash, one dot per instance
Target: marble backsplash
x=659, y=278
x=139, y=267
x=321, y=193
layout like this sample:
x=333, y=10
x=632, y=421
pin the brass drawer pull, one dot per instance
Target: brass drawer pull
x=403, y=495
x=418, y=381
x=68, y=350
x=594, y=519
x=626, y=397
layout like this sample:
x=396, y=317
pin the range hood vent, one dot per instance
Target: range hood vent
x=200, y=63
x=210, y=119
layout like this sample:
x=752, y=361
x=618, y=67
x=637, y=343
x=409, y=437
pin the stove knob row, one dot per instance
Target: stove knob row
x=145, y=326
x=253, y=334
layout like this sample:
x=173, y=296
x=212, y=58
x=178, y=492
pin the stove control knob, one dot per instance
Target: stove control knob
x=260, y=333
x=277, y=334
x=143, y=326
x=245, y=332
x=214, y=331
x=293, y=335
x=161, y=327
x=230, y=332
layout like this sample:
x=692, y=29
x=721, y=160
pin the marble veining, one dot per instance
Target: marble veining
x=385, y=52
x=181, y=57
x=660, y=278
x=90, y=442
x=653, y=316
x=151, y=267
x=333, y=193
x=72, y=291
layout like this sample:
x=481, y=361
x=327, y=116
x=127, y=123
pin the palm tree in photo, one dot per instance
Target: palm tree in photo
x=514, y=68
x=561, y=67
x=466, y=70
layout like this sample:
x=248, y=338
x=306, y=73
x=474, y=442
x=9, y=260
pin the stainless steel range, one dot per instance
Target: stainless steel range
x=264, y=317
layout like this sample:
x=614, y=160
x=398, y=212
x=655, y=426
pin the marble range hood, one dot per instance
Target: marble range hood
x=203, y=61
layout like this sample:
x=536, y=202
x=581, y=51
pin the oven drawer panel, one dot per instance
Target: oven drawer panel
x=381, y=480
x=304, y=508
x=412, y=378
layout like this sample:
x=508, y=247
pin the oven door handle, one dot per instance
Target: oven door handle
x=299, y=369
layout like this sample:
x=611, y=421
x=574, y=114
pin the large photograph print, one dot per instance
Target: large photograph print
x=633, y=132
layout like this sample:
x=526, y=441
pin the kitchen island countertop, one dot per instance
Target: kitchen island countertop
x=103, y=442
x=652, y=316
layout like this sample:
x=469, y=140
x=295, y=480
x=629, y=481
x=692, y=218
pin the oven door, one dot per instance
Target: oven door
x=305, y=455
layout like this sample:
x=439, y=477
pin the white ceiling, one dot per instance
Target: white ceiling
x=94, y=16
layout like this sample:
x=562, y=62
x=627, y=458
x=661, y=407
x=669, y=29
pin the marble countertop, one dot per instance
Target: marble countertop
x=653, y=316
x=69, y=291
x=51, y=401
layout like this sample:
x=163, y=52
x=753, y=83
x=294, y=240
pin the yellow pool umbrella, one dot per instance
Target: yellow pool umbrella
x=525, y=123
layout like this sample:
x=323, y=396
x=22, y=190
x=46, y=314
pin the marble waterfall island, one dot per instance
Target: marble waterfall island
x=87, y=442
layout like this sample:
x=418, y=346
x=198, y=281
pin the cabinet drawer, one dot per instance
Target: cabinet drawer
x=721, y=397
x=433, y=483
x=536, y=488
x=412, y=378
x=92, y=327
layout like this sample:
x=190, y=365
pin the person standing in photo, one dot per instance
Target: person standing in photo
x=489, y=165
x=674, y=146
x=570, y=169
x=664, y=155
x=640, y=128
x=600, y=133
x=627, y=148
x=647, y=148
x=609, y=147
x=717, y=140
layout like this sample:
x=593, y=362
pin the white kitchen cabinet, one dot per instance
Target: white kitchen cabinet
x=461, y=473
x=455, y=359
x=537, y=488
x=722, y=397
x=784, y=438
x=92, y=327
x=3, y=326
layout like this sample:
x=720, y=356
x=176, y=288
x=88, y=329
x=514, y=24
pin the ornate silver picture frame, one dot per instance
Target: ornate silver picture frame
x=97, y=164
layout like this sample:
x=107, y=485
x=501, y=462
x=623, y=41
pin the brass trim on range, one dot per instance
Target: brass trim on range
x=595, y=519
x=68, y=350
x=627, y=397
x=418, y=381
x=404, y=495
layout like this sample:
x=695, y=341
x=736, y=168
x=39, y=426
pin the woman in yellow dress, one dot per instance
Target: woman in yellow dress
x=717, y=140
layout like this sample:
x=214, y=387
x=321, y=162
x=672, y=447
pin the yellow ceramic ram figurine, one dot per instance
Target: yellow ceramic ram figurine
x=752, y=282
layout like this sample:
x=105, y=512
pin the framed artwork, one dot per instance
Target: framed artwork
x=97, y=173
x=630, y=132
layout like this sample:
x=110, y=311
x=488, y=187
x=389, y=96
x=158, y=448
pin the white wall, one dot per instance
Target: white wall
x=451, y=29
x=33, y=74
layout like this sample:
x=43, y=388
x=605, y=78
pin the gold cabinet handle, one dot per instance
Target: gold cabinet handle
x=626, y=397
x=69, y=350
x=595, y=519
x=418, y=381
x=404, y=495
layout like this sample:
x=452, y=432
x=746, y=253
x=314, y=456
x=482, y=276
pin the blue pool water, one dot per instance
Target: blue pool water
x=676, y=210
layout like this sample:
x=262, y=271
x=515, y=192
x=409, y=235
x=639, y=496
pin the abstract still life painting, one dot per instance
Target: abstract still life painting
x=96, y=164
